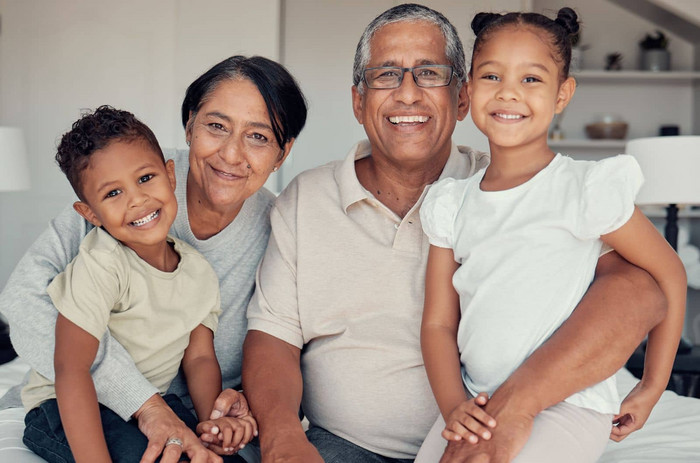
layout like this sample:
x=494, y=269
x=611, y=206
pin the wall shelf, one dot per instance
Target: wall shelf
x=636, y=76
x=588, y=144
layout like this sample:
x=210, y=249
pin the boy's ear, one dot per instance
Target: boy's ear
x=170, y=169
x=84, y=210
x=566, y=92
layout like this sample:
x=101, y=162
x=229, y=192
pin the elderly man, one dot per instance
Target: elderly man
x=334, y=323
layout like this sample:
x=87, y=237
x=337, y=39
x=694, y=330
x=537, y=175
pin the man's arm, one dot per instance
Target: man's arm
x=32, y=317
x=621, y=306
x=273, y=385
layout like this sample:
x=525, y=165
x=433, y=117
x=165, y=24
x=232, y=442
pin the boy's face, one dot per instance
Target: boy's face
x=130, y=192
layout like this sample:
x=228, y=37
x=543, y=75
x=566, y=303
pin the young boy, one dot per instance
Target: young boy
x=157, y=296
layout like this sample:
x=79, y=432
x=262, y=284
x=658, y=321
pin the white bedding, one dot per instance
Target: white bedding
x=672, y=434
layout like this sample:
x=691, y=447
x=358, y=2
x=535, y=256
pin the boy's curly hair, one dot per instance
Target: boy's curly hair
x=93, y=132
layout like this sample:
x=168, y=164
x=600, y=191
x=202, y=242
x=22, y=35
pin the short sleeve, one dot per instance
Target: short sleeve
x=211, y=320
x=439, y=209
x=609, y=190
x=90, y=287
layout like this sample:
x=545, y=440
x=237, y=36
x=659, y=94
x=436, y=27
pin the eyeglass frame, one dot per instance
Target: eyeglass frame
x=411, y=69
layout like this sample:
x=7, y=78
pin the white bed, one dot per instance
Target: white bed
x=672, y=434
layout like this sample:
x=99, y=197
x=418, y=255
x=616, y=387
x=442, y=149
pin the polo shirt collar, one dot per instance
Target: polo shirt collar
x=352, y=191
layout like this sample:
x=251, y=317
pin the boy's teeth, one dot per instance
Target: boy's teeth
x=145, y=220
x=400, y=119
x=509, y=116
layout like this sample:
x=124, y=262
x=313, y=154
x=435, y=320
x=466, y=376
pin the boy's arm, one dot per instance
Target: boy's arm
x=202, y=371
x=32, y=317
x=640, y=243
x=75, y=392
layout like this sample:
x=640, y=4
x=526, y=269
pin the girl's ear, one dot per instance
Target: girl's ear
x=566, y=92
x=84, y=210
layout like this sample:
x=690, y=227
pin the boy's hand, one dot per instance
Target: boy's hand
x=468, y=421
x=634, y=411
x=229, y=434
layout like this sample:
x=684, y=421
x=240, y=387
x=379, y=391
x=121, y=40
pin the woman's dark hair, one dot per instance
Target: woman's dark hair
x=560, y=31
x=285, y=102
x=93, y=132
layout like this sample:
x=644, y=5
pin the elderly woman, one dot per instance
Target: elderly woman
x=241, y=118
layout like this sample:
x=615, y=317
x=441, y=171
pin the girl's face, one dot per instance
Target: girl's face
x=233, y=149
x=515, y=88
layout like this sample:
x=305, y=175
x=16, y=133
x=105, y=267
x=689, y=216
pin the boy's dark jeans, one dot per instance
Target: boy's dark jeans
x=44, y=433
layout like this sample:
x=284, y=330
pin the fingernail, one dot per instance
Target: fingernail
x=255, y=433
x=216, y=414
x=241, y=447
x=215, y=430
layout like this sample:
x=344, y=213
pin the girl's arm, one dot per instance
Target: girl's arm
x=640, y=243
x=439, y=331
x=202, y=371
x=75, y=392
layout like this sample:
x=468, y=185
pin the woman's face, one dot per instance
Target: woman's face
x=232, y=147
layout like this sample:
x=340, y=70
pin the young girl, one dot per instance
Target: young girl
x=520, y=241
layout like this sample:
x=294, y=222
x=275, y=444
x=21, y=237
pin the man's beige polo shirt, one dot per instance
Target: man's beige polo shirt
x=343, y=279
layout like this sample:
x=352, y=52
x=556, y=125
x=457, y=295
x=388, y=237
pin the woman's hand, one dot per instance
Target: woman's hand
x=468, y=421
x=159, y=423
x=634, y=410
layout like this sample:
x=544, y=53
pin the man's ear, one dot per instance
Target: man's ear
x=170, y=169
x=84, y=210
x=357, y=103
x=566, y=93
x=464, y=97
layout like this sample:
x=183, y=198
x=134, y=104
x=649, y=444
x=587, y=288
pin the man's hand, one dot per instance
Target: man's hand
x=507, y=439
x=159, y=423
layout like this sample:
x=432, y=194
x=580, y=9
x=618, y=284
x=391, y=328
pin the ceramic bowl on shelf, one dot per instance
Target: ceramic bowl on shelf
x=610, y=130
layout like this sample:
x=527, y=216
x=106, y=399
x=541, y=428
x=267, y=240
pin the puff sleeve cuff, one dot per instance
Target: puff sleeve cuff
x=439, y=209
x=610, y=187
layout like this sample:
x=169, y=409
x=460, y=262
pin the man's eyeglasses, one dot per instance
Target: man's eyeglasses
x=431, y=75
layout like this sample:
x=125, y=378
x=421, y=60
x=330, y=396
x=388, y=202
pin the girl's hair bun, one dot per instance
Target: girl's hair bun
x=482, y=20
x=568, y=19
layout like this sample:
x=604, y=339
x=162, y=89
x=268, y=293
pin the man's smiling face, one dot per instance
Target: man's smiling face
x=410, y=124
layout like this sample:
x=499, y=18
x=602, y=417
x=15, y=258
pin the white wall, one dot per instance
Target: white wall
x=59, y=57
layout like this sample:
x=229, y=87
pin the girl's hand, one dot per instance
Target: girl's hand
x=468, y=421
x=634, y=411
x=229, y=434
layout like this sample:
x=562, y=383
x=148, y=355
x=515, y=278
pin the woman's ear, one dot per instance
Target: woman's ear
x=86, y=212
x=566, y=92
x=284, y=154
x=188, y=129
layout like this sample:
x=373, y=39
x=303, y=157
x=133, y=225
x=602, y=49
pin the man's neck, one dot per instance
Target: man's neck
x=397, y=186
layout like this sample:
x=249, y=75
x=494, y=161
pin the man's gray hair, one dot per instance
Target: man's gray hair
x=410, y=12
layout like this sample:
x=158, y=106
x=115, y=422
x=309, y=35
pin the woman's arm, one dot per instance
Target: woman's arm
x=202, y=371
x=75, y=392
x=32, y=317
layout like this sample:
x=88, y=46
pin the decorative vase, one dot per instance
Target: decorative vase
x=656, y=60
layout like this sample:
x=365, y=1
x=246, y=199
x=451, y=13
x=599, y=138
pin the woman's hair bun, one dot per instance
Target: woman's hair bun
x=568, y=19
x=482, y=20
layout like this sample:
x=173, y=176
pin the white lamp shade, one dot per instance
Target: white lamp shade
x=14, y=168
x=671, y=167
